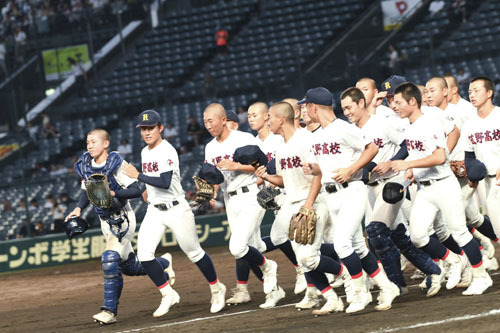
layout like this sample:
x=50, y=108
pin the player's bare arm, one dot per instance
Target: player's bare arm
x=228, y=165
x=74, y=213
x=452, y=139
x=273, y=179
x=343, y=175
x=437, y=157
x=382, y=168
x=213, y=202
x=313, y=191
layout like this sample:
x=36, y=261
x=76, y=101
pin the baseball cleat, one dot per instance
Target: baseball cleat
x=169, y=270
x=466, y=278
x=333, y=304
x=270, y=276
x=455, y=271
x=218, y=297
x=167, y=301
x=359, y=302
x=417, y=275
x=480, y=282
x=436, y=281
x=490, y=264
x=300, y=283
x=104, y=317
x=404, y=263
x=240, y=296
x=309, y=301
x=387, y=295
x=273, y=298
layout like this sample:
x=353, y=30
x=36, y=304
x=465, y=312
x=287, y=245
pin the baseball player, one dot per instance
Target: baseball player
x=118, y=256
x=233, y=123
x=167, y=207
x=437, y=95
x=269, y=144
x=339, y=152
x=240, y=191
x=373, y=98
x=302, y=191
x=311, y=126
x=427, y=165
x=382, y=217
x=296, y=110
x=454, y=95
x=482, y=142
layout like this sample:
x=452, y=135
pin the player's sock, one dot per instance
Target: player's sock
x=328, y=265
x=256, y=271
x=435, y=249
x=487, y=229
x=473, y=253
x=242, y=271
x=328, y=250
x=155, y=272
x=353, y=264
x=451, y=244
x=319, y=280
x=287, y=249
x=370, y=264
x=206, y=266
x=269, y=244
x=254, y=256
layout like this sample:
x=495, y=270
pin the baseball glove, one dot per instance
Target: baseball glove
x=98, y=192
x=303, y=226
x=393, y=192
x=266, y=196
x=204, y=191
x=458, y=168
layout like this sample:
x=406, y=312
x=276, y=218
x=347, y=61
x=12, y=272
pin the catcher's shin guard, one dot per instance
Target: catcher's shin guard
x=417, y=257
x=113, y=280
x=132, y=266
x=379, y=237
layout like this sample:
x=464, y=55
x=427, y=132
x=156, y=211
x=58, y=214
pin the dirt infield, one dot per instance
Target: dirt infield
x=63, y=299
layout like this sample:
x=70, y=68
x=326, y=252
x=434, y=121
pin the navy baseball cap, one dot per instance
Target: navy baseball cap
x=391, y=83
x=319, y=95
x=211, y=174
x=250, y=155
x=271, y=167
x=476, y=170
x=231, y=115
x=148, y=118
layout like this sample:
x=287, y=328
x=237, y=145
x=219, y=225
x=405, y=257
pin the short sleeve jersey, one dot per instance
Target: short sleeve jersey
x=423, y=137
x=216, y=151
x=338, y=145
x=270, y=145
x=482, y=136
x=289, y=161
x=160, y=159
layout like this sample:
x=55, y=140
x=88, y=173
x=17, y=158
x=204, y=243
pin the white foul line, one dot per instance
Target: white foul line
x=466, y=317
x=438, y=322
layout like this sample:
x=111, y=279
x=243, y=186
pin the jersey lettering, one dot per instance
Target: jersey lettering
x=414, y=145
x=485, y=136
x=290, y=163
x=326, y=149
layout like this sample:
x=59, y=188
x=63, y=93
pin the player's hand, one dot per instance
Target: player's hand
x=311, y=169
x=498, y=177
x=113, y=194
x=409, y=175
x=472, y=184
x=261, y=172
x=382, y=168
x=399, y=165
x=378, y=99
x=145, y=196
x=227, y=165
x=75, y=213
x=213, y=202
x=342, y=175
x=130, y=170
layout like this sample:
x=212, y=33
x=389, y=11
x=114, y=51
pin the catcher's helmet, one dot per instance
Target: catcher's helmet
x=75, y=226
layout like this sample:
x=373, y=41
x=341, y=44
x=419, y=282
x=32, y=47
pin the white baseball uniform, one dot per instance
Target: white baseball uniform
x=339, y=145
x=240, y=190
x=289, y=161
x=423, y=137
x=167, y=207
x=483, y=138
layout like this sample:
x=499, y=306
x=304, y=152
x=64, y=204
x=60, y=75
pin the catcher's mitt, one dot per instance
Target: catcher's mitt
x=266, y=196
x=98, y=192
x=204, y=191
x=303, y=226
x=458, y=168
